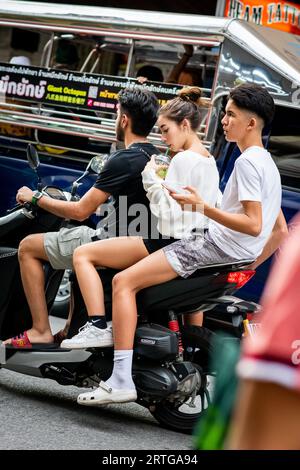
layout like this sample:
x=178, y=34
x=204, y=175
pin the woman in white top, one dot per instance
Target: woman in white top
x=193, y=165
x=178, y=121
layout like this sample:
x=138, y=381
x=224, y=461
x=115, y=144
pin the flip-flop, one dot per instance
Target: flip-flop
x=23, y=342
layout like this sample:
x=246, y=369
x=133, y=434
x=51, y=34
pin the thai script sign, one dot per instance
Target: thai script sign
x=74, y=89
x=279, y=15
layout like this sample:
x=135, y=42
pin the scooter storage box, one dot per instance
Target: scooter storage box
x=156, y=342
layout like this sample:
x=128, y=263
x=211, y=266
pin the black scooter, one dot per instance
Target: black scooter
x=171, y=361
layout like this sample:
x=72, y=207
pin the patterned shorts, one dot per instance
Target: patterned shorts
x=189, y=254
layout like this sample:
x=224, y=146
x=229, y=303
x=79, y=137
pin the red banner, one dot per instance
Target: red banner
x=279, y=15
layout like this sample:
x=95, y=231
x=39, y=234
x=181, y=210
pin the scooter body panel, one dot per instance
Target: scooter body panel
x=31, y=362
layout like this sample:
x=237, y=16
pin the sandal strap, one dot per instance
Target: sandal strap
x=21, y=341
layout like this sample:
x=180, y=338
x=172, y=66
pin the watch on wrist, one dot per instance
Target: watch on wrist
x=35, y=197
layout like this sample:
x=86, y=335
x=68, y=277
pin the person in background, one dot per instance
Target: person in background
x=149, y=72
x=66, y=55
x=248, y=225
x=267, y=411
x=178, y=74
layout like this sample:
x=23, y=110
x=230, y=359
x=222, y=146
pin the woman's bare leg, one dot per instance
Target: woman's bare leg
x=118, y=253
x=153, y=270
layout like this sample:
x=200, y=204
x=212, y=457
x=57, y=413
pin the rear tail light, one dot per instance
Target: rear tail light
x=240, y=277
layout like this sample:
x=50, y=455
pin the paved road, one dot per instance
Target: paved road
x=40, y=414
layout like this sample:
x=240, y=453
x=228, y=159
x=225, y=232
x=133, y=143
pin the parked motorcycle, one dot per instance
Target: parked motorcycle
x=171, y=367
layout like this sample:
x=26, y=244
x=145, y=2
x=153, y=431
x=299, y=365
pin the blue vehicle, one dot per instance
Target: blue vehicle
x=61, y=67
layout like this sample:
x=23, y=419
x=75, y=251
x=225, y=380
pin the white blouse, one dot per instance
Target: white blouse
x=187, y=168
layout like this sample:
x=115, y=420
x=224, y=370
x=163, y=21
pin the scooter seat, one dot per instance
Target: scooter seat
x=220, y=267
x=204, y=286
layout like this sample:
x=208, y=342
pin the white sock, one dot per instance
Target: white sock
x=121, y=377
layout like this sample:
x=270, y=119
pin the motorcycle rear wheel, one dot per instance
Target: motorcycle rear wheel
x=197, y=342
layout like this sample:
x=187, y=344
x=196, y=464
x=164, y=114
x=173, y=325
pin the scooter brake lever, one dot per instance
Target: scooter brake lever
x=15, y=208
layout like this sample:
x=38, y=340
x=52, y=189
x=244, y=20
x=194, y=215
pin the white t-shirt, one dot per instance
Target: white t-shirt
x=255, y=177
x=188, y=169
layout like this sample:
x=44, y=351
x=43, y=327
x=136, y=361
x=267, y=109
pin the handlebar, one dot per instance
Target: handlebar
x=18, y=206
x=14, y=208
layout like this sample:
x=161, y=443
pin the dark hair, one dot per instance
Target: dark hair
x=66, y=52
x=255, y=98
x=187, y=105
x=141, y=105
x=151, y=72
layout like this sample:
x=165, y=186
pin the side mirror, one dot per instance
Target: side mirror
x=32, y=157
x=97, y=163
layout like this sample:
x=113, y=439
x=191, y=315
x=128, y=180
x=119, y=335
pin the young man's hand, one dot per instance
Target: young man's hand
x=24, y=194
x=189, y=202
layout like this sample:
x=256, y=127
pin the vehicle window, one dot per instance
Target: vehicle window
x=101, y=55
x=284, y=145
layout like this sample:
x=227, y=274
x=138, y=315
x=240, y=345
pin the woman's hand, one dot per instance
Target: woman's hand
x=151, y=165
x=24, y=194
x=189, y=202
x=142, y=80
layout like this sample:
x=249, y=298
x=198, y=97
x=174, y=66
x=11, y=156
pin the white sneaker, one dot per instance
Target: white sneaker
x=104, y=395
x=90, y=336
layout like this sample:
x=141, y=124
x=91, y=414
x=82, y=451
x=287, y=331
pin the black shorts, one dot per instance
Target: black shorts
x=153, y=245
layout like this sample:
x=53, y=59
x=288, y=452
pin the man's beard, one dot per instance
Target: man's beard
x=120, y=133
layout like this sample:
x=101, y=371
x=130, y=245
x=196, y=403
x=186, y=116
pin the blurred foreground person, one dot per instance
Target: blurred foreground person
x=267, y=414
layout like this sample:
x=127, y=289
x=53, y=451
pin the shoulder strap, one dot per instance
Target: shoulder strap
x=140, y=148
x=145, y=152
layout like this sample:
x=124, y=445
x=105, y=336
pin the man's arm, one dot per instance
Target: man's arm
x=77, y=210
x=249, y=222
x=178, y=68
x=278, y=235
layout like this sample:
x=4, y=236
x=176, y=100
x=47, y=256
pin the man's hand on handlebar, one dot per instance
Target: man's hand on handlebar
x=24, y=194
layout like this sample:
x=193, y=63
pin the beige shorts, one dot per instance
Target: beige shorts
x=60, y=246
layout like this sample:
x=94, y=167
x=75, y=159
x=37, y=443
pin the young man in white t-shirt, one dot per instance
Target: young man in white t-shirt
x=249, y=225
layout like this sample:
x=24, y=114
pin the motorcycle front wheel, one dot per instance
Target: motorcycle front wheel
x=198, y=347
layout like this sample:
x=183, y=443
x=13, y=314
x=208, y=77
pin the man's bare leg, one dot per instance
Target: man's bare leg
x=31, y=257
